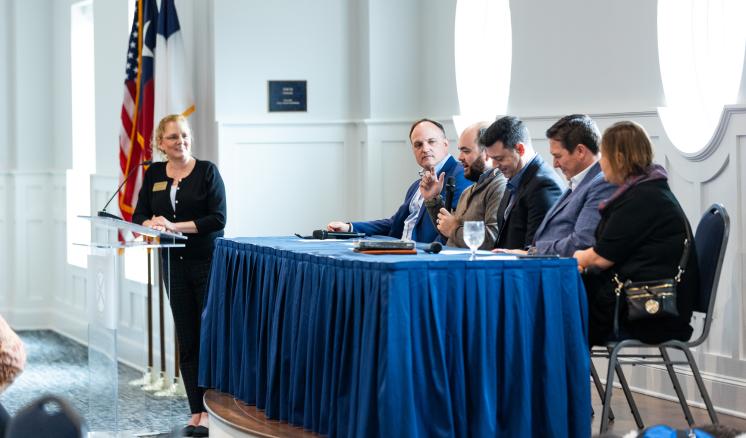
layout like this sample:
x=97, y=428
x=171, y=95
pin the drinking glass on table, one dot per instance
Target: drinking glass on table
x=473, y=236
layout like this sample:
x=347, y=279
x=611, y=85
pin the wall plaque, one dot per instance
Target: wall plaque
x=287, y=96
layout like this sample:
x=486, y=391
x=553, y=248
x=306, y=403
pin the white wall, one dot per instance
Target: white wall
x=588, y=57
x=281, y=40
x=111, y=34
x=32, y=79
x=6, y=98
x=61, y=101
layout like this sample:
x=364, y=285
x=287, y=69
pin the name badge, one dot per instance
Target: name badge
x=160, y=186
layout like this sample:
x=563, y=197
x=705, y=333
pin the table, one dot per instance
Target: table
x=357, y=345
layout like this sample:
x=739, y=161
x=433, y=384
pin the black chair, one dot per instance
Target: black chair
x=711, y=240
x=48, y=416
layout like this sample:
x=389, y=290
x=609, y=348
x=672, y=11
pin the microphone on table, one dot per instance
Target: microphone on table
x=103, y=212
x=433, y=248
x=325, y=234
x=450, y=190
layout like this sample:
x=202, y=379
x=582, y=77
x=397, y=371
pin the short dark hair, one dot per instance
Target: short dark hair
x=481, y=129
x=414, y=125
x=575, y=129
x=509, y=130
x=480, y=136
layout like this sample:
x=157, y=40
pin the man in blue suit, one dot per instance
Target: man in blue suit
x=411, y=221
x=532, y=188
x=570, y=224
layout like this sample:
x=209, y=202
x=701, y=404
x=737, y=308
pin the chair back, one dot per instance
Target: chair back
x=45, y=417
x=711, y=240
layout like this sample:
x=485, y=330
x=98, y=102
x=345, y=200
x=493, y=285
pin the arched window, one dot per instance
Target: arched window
x=483, y=56
x=700, y=51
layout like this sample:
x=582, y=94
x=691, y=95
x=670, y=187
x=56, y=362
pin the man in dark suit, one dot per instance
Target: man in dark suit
x=411, y=221
x=533, y=186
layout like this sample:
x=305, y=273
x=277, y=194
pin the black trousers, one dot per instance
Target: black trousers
x=186, y=293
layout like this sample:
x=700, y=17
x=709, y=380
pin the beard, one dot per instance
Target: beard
x=475, y=170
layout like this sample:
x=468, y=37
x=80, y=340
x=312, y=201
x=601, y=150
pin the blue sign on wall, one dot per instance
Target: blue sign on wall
x=287, y=96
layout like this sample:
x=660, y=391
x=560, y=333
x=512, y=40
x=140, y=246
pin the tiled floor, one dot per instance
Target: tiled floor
x=57, y=365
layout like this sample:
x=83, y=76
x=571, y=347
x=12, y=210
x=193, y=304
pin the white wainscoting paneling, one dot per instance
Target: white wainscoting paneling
x=31, y=247
x=284, y=178
x=287, y=177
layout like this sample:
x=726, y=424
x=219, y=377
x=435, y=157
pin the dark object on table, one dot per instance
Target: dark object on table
x=433, y=248
x=365, y=245
x=385, y=247
x=323, y=235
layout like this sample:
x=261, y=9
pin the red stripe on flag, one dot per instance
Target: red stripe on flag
x=140, y=150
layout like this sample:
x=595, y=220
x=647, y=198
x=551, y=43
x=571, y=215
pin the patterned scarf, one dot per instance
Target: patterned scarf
x=654, y=172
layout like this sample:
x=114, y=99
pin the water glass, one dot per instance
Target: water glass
x=473, y=236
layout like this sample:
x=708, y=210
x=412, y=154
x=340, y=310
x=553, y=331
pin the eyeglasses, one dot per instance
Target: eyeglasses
x=175, y=137
x=430, y=141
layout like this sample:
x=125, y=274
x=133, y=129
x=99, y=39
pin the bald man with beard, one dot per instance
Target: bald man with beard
x=479, y=202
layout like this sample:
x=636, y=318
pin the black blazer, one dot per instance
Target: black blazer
x=540, y=188
x=200, y=198
x=643, y=233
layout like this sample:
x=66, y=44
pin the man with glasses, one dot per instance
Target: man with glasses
x=409, y=222
x=479, y=201
x=533, y=186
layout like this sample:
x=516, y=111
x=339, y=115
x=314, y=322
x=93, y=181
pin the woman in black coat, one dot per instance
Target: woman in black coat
x=184, y=195
x=640, y=237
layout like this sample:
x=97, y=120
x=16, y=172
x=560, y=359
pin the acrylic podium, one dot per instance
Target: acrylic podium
x=105, y=283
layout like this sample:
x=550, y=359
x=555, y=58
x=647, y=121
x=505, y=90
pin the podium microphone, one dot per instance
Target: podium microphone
x=103, y=212
x=450, y=190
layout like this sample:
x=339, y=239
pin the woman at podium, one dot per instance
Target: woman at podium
x=184, y=195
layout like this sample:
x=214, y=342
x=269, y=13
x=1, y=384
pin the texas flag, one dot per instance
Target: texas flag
x=157, y=83
x=173, y=91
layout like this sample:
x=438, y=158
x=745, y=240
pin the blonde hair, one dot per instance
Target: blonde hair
x=161, y=128
x=627, y=148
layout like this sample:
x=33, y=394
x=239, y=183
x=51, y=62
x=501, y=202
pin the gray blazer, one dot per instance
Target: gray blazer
x=571, y=223
x=478, y=202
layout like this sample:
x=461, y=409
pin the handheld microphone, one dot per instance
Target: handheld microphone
x=450, y=190
x=103, y=212
x=324, y=234
x=433, y=248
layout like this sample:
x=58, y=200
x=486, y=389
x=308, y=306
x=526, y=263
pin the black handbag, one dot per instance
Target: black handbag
x=654, y=298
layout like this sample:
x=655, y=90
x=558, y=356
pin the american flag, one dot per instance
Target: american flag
x=137, y=105
x=156, y=84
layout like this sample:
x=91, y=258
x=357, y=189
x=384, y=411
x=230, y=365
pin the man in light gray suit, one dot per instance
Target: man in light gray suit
x=571, y=223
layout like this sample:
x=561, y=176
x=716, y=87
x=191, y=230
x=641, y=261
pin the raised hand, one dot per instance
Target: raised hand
x=431, y=185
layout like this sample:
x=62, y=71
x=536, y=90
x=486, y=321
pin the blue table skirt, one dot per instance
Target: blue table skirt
x=356, y=345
